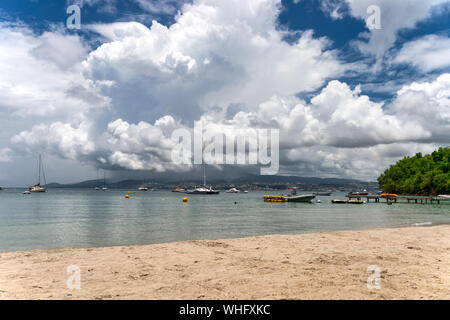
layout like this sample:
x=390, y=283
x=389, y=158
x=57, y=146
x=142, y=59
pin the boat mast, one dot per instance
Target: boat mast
x=204, y=175
x=39, y=176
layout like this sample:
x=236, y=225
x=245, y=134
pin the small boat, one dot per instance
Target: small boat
x=356, y=202
x=37, y=187
x=358, y=193
x=26, y=192
x=233, y=190
x=105, y=189
x=388, y=195
x=143, y=188
x=338, y=201
x=300, y=198
x=1, y=188
x=178, y=189
x=445, y=196
x=97, y=188
x=274, y=199
x=294, y=197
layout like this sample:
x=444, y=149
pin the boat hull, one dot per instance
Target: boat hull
x=300, y=198
x=202, y=192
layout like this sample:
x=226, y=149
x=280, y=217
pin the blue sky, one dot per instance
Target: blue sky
x=356, y=94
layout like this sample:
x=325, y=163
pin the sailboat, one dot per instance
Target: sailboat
x=104, y=182
x=37, y=187
x=204, y=189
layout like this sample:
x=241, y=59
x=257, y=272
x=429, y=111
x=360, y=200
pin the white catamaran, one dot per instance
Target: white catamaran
x=37, y=187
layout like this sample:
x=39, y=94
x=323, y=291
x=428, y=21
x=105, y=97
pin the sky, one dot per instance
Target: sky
x=351, y=85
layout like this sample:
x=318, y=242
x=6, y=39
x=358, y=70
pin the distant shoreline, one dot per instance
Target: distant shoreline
x=413, y=264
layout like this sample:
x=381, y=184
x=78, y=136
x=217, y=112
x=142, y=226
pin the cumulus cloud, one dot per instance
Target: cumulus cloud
x=427, y=103
x=215, y=54
x=38, y=74
x=225, y=63
x=428, y=53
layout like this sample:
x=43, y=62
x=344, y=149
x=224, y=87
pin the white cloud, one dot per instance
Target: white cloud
x=428, y=53
x=5, y=155
x=427, y=103
x=224, y=62
x=248, y=61
x=40, y=75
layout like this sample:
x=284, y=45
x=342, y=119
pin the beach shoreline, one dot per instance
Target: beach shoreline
x=414, y=263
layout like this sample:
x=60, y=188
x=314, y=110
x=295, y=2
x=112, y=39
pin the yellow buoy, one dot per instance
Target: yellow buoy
x=127, y=196
x=185, y=199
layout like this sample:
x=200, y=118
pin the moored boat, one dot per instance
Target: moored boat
x=356, y=202
x=233, y=190
x=178, y=189
x=294, y=197
x=143, y=188
x=358, y=193
x=338, y=201
x=202, y=190
x=388, y=195
x=37, y=188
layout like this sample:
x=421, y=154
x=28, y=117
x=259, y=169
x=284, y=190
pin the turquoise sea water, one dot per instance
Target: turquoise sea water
x=62, y=218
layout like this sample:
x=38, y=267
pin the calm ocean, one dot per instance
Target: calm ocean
x=75, y=218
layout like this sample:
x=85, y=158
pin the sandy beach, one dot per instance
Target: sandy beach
x=414, y=264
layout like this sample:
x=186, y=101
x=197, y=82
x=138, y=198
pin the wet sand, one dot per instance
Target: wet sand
x=414, y=264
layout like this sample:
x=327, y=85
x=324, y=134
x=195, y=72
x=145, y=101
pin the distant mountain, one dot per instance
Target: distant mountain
x=247, y=179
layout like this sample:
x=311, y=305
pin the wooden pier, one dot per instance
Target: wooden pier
x=409, y=199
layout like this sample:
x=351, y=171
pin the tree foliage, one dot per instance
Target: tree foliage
x=422, y=175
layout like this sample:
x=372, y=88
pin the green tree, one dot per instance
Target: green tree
x=425, y=175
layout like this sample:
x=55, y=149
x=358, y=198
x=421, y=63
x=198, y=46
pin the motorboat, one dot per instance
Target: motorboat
x=178, y=189
x=358, y=193
x=143, y=188
x=233, y=190
x=293, y=197
x=300, y=198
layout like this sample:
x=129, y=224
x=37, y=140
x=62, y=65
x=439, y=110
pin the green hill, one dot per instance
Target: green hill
x=422, y=175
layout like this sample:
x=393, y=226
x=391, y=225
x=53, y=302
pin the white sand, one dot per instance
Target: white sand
x=414, y=263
